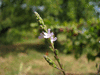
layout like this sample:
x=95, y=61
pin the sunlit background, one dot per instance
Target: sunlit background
x=76, y=24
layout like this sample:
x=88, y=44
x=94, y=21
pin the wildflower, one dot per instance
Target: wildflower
x=51, y=62
x=48, y=35
x=99, y=41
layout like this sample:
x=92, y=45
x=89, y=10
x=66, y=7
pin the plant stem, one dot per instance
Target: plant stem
x=56, y=57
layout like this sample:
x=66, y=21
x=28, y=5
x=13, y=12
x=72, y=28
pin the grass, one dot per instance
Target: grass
x=27, y=58
x=10, y=65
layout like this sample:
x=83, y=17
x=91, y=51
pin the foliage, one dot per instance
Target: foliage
x=82, y=37
x=18, y=14
x=14, y=20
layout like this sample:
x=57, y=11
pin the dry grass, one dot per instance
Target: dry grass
x=10, y=65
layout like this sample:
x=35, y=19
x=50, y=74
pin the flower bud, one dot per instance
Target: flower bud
x=40, y=20
x=51, y=63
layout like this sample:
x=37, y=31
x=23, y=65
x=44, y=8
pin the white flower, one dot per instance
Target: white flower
x=47, y=35
x=99, y=41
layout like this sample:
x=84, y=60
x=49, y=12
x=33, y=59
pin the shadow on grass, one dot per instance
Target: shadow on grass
x=15, y=49
x=24, y=48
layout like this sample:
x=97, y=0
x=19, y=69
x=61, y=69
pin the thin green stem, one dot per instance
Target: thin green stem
x=56, y=57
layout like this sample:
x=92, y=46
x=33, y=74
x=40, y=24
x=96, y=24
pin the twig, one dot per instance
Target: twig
x=56, y=57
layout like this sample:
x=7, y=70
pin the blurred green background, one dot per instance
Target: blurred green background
x=76, y=24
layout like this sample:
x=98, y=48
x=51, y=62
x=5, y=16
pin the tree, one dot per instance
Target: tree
x=14, y=17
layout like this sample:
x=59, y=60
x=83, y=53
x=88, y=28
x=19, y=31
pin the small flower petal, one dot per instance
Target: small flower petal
x=47, y=35
x=44, y=33
x=41, y=36
x=53, y=39
x=49, y=31
x=52, y=34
